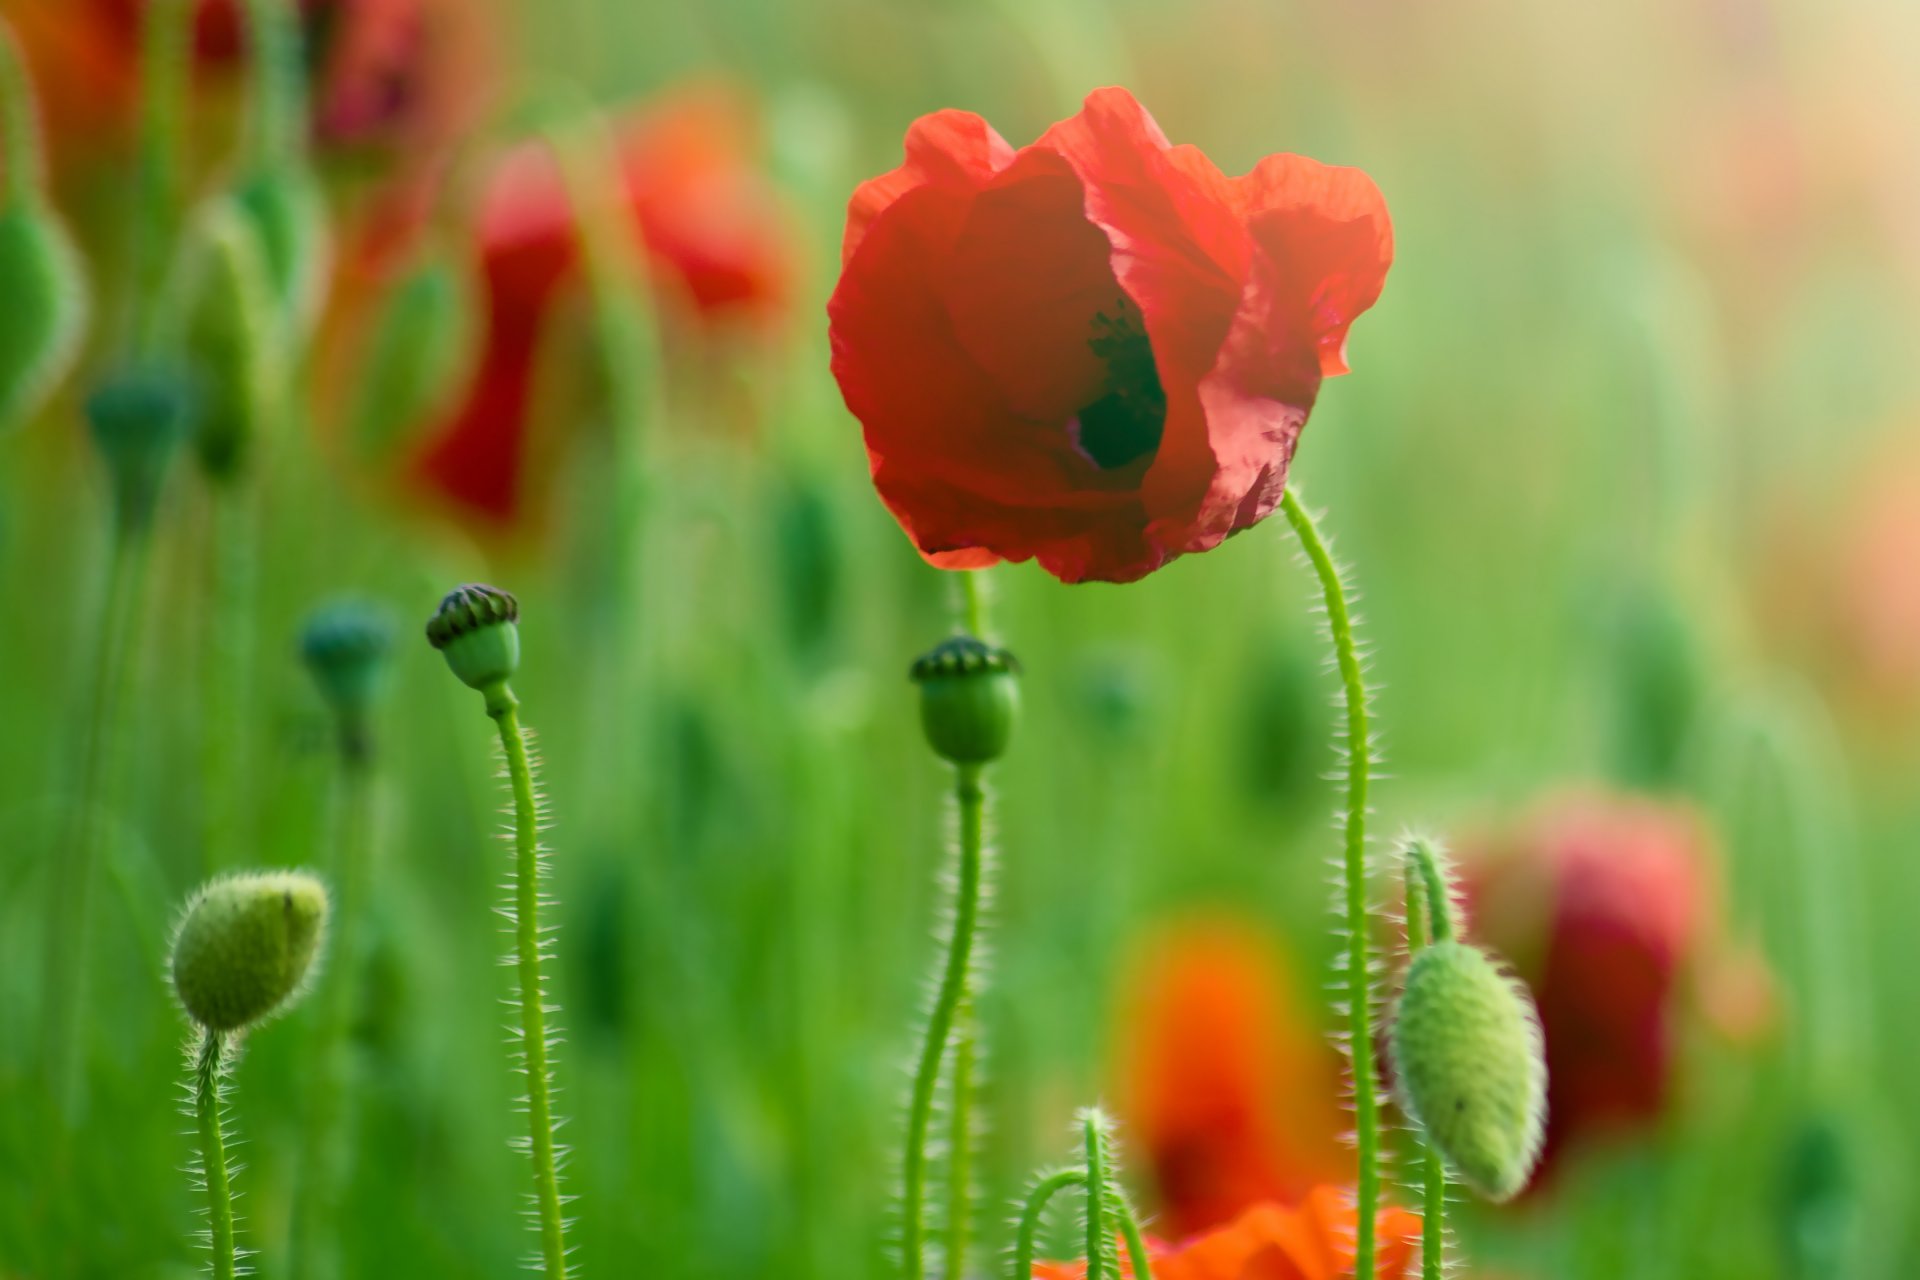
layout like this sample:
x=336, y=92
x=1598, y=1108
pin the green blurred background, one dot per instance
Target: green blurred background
x=1626, y=455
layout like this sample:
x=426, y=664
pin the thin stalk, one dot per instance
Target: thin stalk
x=1136, y=1243
x=504, y=708
x=960, y=1136
x=67, y=938
x=1027, y=1234
x=166, y=37
x=278, y=120
x=208, y=1069
x=970, y=799
x=1099, y=1244
x=20, y=155
x=1359, y=993
x=1427, y=889
x=329, y=1144
x=973, y=602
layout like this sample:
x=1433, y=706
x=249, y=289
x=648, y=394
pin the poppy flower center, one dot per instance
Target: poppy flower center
x=1124, y=424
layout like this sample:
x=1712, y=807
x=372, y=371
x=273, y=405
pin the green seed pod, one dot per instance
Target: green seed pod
x=138, y=417
x=45, y=314
x=233, y=333
x=412, y=357
x=475, y=630
x=245, y=946
x=1469, y=1062
x=968, y=697
x=345, y=646
x=289, y=214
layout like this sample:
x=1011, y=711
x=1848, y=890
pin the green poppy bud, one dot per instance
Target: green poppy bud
x=474, y=629
x=232, y=336
x=138, y=417
x=1470, y=1066
x=968, y=697
x=345, y=646
x=45, y=314
x=411, y=358
x=245, y=945
x=289, y=213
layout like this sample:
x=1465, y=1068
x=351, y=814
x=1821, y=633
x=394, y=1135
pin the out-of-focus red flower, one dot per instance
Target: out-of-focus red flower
x=1097, y=351
x=1311, y=1240
x=715, y=237
x=1608, y=908
x=1228, y=1084
x=391, y=72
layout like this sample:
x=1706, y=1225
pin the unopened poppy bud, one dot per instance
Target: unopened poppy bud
x=968, y=697
x=1469, y=1061
x=138, y=417
x=289, y=214
x=45, y=313
x=345, y=646
x=412, y=357
x=245, y=946
x=474, y=629
x=233, y=336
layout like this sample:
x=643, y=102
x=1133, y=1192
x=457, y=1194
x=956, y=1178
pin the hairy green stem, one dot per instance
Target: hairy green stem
x=329, y=1142
x=960, y=1137
x=971, y=801
x=208, y=1069
x=1027, y=1234
x=1099, y=1243
x=1427, y=889
x=1359, y=993
x=20, y=155
x=69, y=929
x=504, y=708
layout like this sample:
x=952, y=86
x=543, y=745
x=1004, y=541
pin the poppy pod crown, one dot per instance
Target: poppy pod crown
x=1097, y=351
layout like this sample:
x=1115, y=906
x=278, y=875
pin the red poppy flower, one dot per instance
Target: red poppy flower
x=1228, y=1082
x=717, y=243
x=386, y=71
x=1628, y=931
x=1312, y=1240
x=1097, y=351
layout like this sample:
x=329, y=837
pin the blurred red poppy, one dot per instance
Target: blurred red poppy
x=717, y=242
x=1607, y=907
x=1097, y=351
x=390, y=72
x=1228, y=1082
x=1311, y=1240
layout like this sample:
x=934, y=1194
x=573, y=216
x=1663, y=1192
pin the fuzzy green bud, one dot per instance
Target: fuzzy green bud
x=1470, y=1066
x=232, y=335
x=245, y=946
x=969, y=694
x=289, y=214
x=345, y=647
x=45, y=314
x=475, y=630
x=138, y=417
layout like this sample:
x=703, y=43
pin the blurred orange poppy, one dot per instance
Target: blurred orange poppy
x=1227, y=1079
x=717, y=243
x=1310, y=1240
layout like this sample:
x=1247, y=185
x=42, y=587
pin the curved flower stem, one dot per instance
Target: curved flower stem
x=1136, y=1244
x=1028, y=1231
x=20, y=153
x=505, y=710
x=67, y=937
x=1427, y=895
x=970, y=798
x=208, y=1068
x=226, y=668
x=1359, y=993
x=316, y=1222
